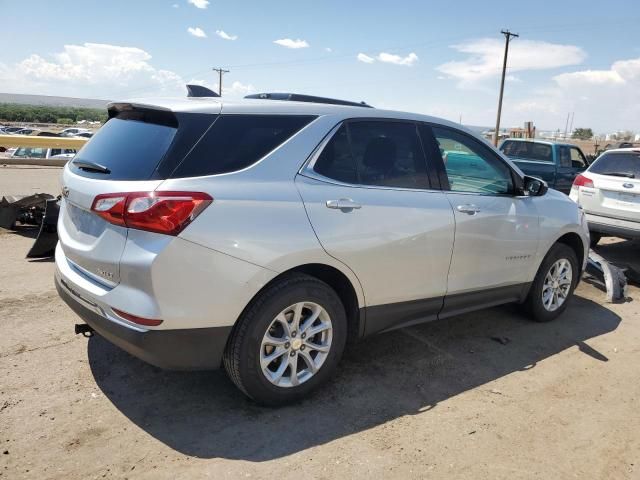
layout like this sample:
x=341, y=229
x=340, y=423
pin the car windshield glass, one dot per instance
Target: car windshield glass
x=621, y=164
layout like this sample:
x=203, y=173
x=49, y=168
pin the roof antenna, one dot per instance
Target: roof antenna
x=200, y=91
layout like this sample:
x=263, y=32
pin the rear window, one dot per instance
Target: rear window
x=527, y=150
x=235, y=142
x=143, y=145
x=131, y=149
x=620, y=164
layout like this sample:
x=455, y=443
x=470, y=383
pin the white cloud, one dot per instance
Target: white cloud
x=290, y=43
x=99, y=71
x=605, y=100
x=175, y=5
x=408, y=61
x=225, y=35
x=199, y=3
x=485, y=56
x=385, y=57
x=197, y=32
x=365, y=58
x=328, y=49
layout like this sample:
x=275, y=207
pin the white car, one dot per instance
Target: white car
x=73, y=131
x=43, y=153
x=609, y=193
x=265, y=233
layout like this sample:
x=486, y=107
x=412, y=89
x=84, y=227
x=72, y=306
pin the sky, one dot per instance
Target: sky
x=436, y=58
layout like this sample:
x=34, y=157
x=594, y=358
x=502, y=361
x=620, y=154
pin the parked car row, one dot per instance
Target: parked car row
x=608, y=190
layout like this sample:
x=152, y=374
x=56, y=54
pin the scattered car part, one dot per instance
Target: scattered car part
x=610, y=276
x=40, y=209
x=45, y=244
x=26, y=209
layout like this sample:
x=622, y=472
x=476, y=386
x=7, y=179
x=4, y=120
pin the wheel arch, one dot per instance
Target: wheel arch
x=339, y=281
x=574, y=241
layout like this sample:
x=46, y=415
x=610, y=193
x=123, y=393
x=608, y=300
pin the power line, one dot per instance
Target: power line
x=507, y=36
x=220, y=71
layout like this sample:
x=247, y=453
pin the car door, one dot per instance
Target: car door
x=571, y=163
x=496, y=236
x=368, y=196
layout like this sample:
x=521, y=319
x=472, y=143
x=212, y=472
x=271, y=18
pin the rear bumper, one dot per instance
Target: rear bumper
x=188, y=349
x=614, y=227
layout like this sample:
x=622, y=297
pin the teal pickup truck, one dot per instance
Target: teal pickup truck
x=556, y=163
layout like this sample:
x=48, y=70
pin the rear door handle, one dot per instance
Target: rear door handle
x=343, y=204
x=469, y=209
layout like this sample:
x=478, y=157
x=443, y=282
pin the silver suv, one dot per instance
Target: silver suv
x=266, y=234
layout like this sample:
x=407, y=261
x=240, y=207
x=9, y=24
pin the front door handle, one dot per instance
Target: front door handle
x=469, y=209
x=343, y=204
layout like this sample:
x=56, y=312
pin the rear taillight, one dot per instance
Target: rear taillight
x=582, y=181
x=161, y=212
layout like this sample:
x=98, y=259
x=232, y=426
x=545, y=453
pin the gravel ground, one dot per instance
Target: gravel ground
x=444, y=399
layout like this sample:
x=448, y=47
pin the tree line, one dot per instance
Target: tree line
x=14, y=112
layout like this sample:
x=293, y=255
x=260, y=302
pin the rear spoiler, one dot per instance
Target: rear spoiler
x=142, y=113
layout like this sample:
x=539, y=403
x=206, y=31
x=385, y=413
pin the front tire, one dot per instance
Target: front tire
x=288, y=341
x=554, y=284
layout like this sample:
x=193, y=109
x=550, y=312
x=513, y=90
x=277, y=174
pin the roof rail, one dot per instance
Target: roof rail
x=296, y=97
x=200, y=91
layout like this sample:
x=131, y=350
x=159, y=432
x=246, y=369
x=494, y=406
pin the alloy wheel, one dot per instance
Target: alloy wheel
x=296, y=344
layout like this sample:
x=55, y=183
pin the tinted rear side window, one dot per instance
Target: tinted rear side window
x=336, y=161
x=235, y=142
x=618, y=163
x=130, y=149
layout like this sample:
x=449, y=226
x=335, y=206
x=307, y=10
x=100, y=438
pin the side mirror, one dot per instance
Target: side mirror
x=534, y=187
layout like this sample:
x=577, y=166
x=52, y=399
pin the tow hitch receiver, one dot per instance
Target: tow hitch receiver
x=84, y=329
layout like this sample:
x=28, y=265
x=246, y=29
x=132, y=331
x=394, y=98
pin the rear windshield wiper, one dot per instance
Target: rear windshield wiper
x=91, y=166
x=620, y=174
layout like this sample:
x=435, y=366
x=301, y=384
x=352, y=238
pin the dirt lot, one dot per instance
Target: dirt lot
x=558, y=400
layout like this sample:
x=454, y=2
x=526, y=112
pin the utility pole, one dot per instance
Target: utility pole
x=220, y=71
x=571, y=124
x=507, y=34
x=566, y=125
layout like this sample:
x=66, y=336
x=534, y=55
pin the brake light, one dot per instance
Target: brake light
x=147, y=322
x=582, y=181
x=160, y=212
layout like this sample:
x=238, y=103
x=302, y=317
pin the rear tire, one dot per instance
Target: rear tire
x=301, y=324
x=553, y=285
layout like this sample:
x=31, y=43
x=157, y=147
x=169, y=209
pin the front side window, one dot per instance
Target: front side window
x=577, y=158
x=471, y=166
x=375, y=153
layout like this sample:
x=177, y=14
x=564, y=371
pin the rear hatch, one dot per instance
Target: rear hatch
x=134, y=151
x=616, y=182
